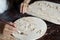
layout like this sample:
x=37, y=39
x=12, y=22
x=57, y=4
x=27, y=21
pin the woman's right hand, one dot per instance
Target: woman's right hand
x=6, y=29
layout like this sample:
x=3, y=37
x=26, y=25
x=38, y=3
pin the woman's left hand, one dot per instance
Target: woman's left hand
x=23, y=7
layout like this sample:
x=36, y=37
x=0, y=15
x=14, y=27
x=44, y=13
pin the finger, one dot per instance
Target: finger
x=21, y=8
x=7, y=32
x=14, y=25
x=9, y=27
x=10, y=30
x=24, y=8
x=11, y=23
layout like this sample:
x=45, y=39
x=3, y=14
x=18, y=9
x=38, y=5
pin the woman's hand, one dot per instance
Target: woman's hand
x=8, y=30
x=23, y=7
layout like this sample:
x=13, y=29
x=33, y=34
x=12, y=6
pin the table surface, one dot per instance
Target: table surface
x=53, y=32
